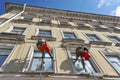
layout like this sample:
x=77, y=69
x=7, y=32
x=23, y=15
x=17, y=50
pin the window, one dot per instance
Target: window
x=47, y=21
x=80, y=24
x=93, y=37
x=17, y=30
x=45, y=33
x=115, y=60
x=4, y=53
x=114, y=39
x=69, y=35
x=62, y=22
x=36, y=62
x=78, y=65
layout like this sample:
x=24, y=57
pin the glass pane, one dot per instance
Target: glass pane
x=45, y=33
x=2, y=59
x=48, y=64
x=69, y=35
x=93, y=38
x=114, y=39
x=37, y=54
x=36, y=64
x=117, y=66
x=113, y=58
x=78, y=66
x=89, y=67
x=17, y=30
x=4, y=52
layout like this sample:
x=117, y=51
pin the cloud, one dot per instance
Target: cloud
x=101, y=3
x=116, y=12
x=107, y=3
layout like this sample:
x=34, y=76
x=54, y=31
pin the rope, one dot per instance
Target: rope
x=82, y=5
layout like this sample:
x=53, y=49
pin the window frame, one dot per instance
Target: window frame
x=37, y=37
x=68, y=33
x=7, y=46
x=116, y=43
x=92, y=62
x=113, y=53
x=100, y=42
x=12, y=28
x=29, y=59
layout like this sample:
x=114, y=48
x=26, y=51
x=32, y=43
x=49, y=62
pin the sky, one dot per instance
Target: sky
x=104, y=7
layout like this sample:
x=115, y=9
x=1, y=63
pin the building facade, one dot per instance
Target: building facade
x=22, y=26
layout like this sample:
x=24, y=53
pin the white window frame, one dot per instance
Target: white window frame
x=110, y=53
x=11, y=28
x=111, y=39
x=92, y=61
x=37, y=32
x=9, y=56
x=62, y=32
x=93, y=34
x=29, y=58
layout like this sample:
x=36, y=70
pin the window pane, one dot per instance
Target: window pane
x=45, y=33
x=117, y=66
x=48, y=64
x=4, y=51
x=93, y=37
x=17, y=30
x=113, y=58
x=37, y=54
x=114, y=39
x=3, y=55
x=69, y=35
x=36, y=64
x=78, y=65
x=2, y=59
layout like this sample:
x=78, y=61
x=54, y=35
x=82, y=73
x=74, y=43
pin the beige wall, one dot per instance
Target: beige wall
x=17, y=60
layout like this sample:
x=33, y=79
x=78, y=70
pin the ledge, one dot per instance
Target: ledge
x=46, y=38
x=11, y=38
x=66, y=42
x=100, y=43
x=102, y=29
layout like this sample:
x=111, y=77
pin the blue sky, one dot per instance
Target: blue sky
x=106, y=7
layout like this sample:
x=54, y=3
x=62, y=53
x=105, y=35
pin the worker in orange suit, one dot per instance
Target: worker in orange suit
x=80, y=52
x=44, y=47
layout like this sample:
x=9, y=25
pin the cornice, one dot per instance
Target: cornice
x=63, y=13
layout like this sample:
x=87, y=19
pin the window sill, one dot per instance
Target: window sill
x=72, y=40
x=67, y=42
x=100, y=43
x=83, y=27
x=11, y=38
x=101, y=29
x=22, y=21
x=43, y=23
x=46, y=38
x=65, y=26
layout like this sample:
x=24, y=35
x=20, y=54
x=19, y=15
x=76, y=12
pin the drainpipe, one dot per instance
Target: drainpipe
x=13, y=16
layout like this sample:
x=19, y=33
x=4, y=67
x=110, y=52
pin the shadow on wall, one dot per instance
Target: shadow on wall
x=66, y=66
x=15, y=65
